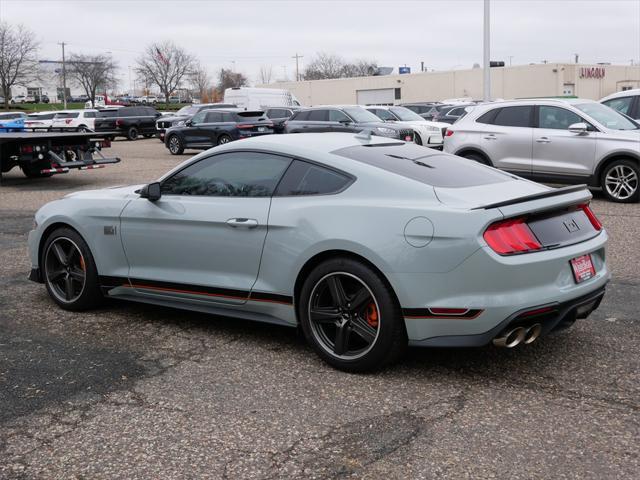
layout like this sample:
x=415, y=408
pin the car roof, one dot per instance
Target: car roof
x=624, y=93
x=315, y=107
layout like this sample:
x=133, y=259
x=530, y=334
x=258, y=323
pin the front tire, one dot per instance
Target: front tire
x=69, y=271
x=619, y=181
x=132, y=133
x=175, y=145
x=351, y=317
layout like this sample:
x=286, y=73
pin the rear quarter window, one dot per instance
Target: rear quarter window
x=304, y=178
x=424, y=165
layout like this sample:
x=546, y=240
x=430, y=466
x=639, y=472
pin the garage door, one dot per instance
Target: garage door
x=381, y=96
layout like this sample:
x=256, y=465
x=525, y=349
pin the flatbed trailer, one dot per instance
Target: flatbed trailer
x=46, y=154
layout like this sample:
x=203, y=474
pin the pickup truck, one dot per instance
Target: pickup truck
x=129, y=122
x=46, y=154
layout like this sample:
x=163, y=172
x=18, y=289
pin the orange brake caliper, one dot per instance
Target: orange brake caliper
x=371, y=315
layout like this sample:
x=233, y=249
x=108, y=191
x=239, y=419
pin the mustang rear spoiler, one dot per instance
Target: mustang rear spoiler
x=534, y=196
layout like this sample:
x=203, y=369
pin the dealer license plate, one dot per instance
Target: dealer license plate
x=582, y=268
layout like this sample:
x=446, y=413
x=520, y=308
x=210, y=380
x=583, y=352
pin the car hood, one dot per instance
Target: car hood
x=380, y=125
x=117, y=192
x=173, y=118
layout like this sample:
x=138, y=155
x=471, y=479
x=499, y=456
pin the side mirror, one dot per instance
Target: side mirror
x=188, y=123
x=578, y=128
x=151, y=192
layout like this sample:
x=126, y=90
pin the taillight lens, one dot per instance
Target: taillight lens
x=118, y=122
x=509, y=237
x=448, y=133
x=591, y=216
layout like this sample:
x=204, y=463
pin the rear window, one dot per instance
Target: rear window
x=424, y=165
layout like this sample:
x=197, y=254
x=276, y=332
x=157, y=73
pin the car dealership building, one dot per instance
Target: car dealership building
x=521, y=81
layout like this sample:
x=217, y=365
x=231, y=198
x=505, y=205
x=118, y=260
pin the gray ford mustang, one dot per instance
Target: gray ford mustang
x=368, y=244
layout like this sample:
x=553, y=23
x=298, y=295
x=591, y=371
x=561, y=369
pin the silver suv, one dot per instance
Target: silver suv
x=555, y=141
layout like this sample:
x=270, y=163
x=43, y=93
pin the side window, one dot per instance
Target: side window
x=514, y=116
x=338, y=116
x=228, y=117
x=89, y=114
x=276, y=113
x=213, y=117
x=623, y=105
x=301, y=116
x=488, y=117
x=556, y=118
x=319, y=116
x=304, y=178
x=238, y=174
x=198, y=117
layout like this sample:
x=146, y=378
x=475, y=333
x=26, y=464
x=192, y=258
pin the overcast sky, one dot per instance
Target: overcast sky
x=443, y=34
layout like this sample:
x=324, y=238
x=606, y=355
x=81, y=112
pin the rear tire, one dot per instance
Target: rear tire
x=132, y=133
x=222, y=139
x=476, y=157
x=620, y=181
x=175, y=145
x=363, y=332
x=69, y=271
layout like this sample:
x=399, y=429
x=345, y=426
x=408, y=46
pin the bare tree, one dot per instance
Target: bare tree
x=165, y=64
x=229, y=79
x=201, y=82
x=92, y=72
x=266, y=72
x=325, y=65
x=18, y=58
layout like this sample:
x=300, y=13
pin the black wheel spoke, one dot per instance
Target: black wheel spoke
x=68, y=287
x=363, y=329
x=337, y=291
x=341, y=344
x=325, y=314
x=59, y=253
x=359, y=300
x=57, y=275
x=77, y=274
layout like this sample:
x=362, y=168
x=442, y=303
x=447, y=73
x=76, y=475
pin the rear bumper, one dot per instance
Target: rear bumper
x=552, y=317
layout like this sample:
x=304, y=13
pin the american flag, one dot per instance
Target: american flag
x=161, y=57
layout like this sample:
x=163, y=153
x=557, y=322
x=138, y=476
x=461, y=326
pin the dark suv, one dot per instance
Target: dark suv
x=209, y=128
x=349, y=118
x=184, y=114
x=130, y=122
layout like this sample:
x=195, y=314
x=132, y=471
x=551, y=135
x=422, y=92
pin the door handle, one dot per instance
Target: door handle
x=543, y=140
x=491, y=136
x=242, y=222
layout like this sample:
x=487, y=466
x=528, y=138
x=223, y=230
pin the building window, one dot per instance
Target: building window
x=397, y=93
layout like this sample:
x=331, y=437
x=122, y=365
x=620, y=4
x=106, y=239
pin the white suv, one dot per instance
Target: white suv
x=75, y=120
x=627, y=102
x=554, y=140
x=427, y=133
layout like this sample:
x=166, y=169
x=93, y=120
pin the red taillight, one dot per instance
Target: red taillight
x=591, y=216
x=26, y=149
x=243, y=125
x=448, y=133
x=118, y=122
x=448, y=311
x=511, y=236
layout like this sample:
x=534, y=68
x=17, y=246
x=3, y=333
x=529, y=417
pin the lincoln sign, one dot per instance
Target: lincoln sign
x=592, y=72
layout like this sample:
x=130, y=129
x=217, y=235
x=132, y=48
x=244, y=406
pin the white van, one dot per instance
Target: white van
x=251, y=98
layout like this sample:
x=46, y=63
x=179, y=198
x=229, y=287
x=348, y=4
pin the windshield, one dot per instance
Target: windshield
x=406, y=115
x=607, y=116
x=188, y=110
x=359, y=114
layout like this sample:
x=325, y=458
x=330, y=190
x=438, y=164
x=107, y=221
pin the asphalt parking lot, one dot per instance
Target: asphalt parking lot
x=140, y=392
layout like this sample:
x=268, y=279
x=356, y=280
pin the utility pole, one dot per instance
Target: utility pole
x=64, y=78
x=422, y=66
x=297, y=57
x=487, y=55
x=576, y=57
x=510, y=59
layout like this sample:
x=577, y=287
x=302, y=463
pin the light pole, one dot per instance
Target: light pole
x=487, y=55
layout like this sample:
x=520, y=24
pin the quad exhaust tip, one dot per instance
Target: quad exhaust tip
x=518, y=335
